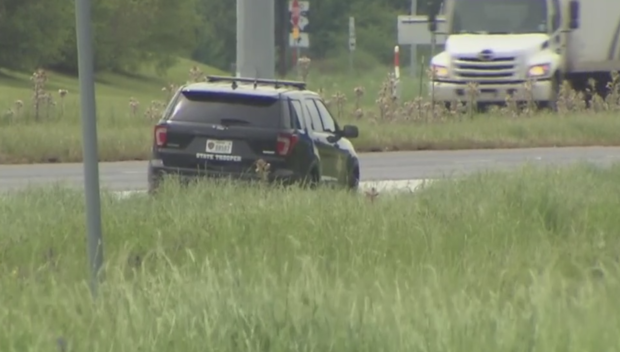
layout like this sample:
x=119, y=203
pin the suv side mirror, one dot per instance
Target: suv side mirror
x=350, y=131
x=573, y=14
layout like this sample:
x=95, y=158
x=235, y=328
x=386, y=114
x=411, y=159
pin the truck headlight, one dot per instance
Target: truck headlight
x=439, y=71
x=538, y=71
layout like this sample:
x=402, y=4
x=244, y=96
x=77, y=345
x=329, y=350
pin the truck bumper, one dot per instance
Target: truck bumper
x=541, y=91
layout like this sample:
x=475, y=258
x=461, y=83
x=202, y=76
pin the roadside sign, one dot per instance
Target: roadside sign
x=304, y=6
x=298, y=37
x=303, y=22
x=295, y=13
x=302, y=42
x=413, y=30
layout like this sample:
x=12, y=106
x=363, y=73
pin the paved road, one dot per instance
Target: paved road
x=376, y=166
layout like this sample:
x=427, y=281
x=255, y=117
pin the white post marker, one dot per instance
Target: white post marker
x=352, y=41
x=396, y=90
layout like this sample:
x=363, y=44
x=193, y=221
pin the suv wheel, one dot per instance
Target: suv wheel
x=354, y=179
x=312, y=179
x=153, y=182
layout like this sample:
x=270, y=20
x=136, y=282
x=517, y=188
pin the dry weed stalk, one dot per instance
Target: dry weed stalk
x=569, y=100
x=387, y=99
x=372, y=194
x=170, y=90
x=134, y=105
x=358, y=114
x=512, y=108
x=597, y=103
x=303, y=65
x=8, y=114
x=19, y=105
x=39, y=79
x=418, y=109
x=530, y=106
x=415, y=109
x=612, y=100
x=154, y=110
x=196, y=75
x=359, y=93
x=40, y=98
x=340, y=99
x=328, y=102
x=62, y=93
x=262, y=169
x=473, y=92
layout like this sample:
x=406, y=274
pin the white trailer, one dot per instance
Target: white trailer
x=502, y=44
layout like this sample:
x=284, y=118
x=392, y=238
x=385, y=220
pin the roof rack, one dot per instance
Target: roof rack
x=275, y=82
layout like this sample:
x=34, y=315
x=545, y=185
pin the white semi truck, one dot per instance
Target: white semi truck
x=502, y=44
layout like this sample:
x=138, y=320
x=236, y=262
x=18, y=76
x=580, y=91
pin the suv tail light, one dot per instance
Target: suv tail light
x=286, y=142
x=161, y=135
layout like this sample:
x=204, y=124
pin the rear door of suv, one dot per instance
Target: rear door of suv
x=223, y=132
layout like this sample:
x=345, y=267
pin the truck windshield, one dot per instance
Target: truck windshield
x=499, y=16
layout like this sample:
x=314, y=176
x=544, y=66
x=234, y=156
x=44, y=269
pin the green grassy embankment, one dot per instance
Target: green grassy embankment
x=125, y=130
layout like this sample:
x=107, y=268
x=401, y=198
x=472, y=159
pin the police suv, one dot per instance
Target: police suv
x=226, y=126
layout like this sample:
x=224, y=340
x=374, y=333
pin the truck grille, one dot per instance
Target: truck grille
x=477, y=70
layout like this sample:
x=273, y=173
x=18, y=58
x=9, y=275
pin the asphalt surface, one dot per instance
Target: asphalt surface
x=375, y=166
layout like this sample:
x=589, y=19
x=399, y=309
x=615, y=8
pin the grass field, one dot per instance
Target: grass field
x=519, y=261
x=128, y=107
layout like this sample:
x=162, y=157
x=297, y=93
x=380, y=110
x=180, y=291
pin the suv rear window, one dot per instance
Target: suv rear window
x=228, y=109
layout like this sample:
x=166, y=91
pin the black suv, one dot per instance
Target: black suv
x=225, y=126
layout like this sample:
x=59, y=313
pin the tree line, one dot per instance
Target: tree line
x=130, y=33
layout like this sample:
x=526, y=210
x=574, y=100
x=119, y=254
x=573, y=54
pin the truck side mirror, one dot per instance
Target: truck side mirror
x=573, y=14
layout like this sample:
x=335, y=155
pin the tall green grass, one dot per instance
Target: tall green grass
x=519, y=261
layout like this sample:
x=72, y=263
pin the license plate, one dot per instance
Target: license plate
x=219, y=147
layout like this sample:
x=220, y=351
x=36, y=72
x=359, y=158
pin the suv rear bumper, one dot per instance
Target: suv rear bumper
x=157, y=172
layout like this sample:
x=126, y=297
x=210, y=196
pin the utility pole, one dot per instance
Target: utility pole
x=282, y=35
x=256, y=38
x=433, y=11
x=413, y=47
x=88, y=111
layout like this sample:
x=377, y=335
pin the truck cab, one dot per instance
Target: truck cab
x=506, y=48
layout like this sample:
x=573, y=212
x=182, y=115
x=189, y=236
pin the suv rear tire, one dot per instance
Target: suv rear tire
x=312, y=179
